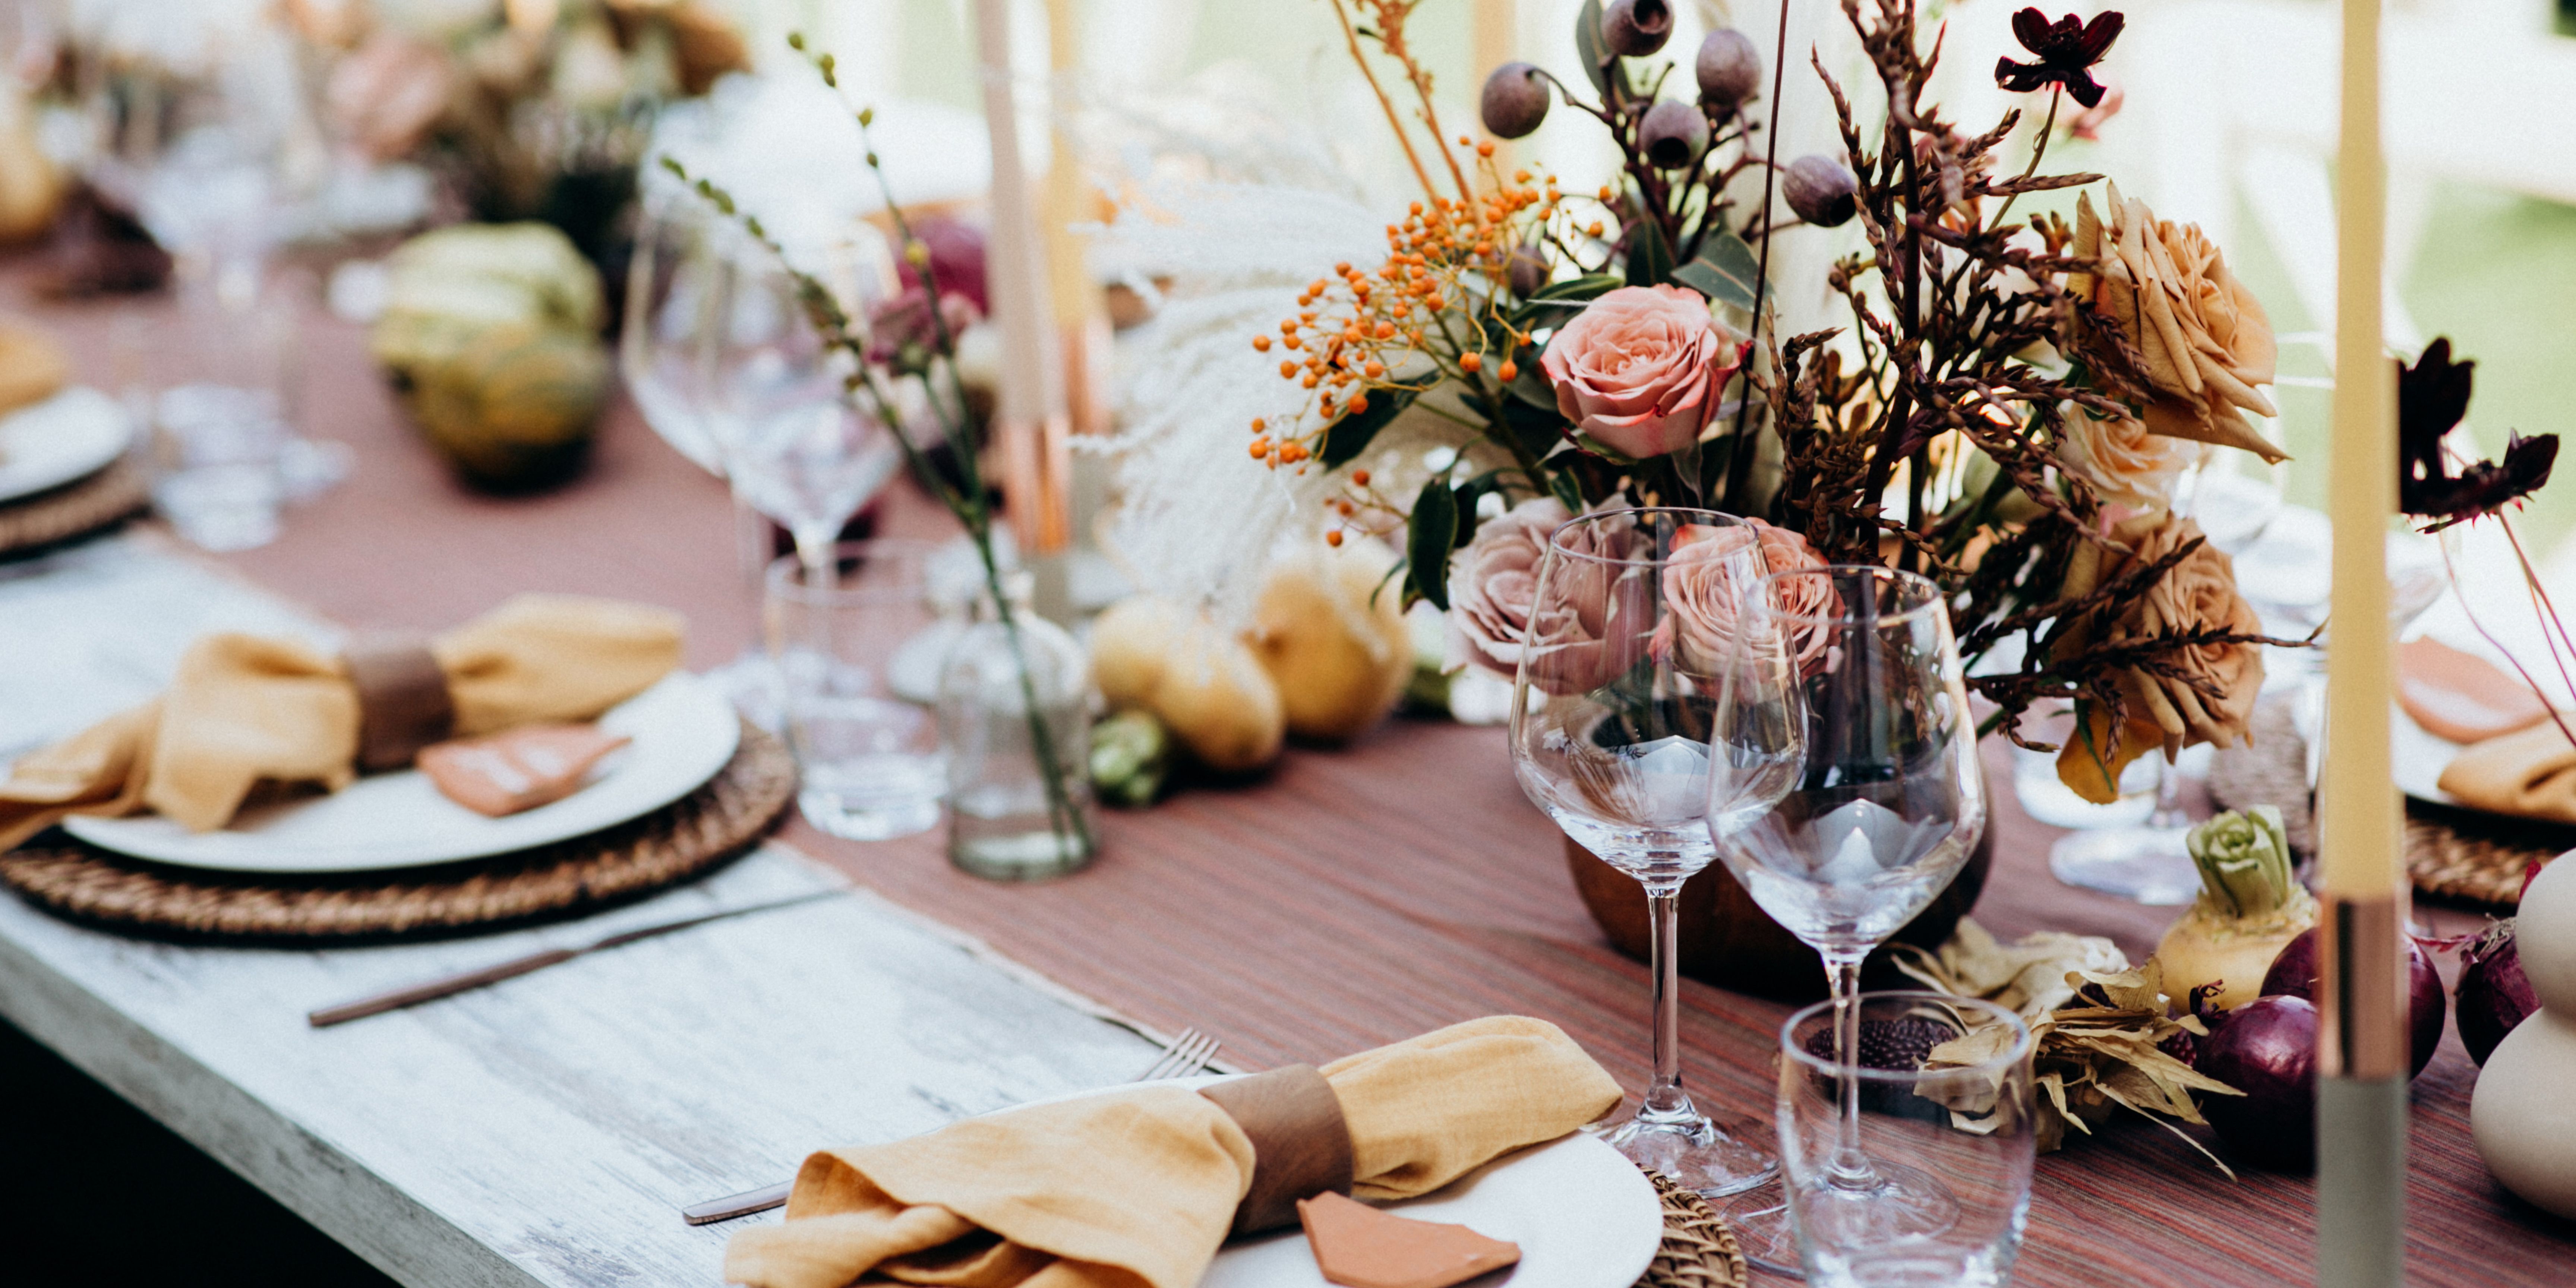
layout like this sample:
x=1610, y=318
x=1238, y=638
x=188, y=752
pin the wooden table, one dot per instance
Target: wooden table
x=1351, y=897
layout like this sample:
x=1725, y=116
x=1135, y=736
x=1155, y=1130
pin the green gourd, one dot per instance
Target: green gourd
x=514, y=409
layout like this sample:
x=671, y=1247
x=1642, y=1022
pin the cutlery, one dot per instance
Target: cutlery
x=1189, y=1053
x=512, y=969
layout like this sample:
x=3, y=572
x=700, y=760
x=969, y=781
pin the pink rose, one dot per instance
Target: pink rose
x=1639, y=370
x=1571, y=642
x=1706, y=576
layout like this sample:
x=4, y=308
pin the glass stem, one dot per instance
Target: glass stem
x=2168, y=796
x=751, y=547
x=1664, y=1096
x=1850, y=1168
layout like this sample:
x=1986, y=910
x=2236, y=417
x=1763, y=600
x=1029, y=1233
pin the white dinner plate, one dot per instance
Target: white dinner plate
x=2417, y=759
x=77, y=432
x=683, y=731
x=1585, y=1217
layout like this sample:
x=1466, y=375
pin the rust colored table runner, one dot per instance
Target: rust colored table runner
x=1348, y=899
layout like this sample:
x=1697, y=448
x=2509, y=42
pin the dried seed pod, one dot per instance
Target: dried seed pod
x=1527, y=270
x=1672, y=135
x=1515, y=100
x=1636, y=28
x=1820, y=189
x=1729, y=69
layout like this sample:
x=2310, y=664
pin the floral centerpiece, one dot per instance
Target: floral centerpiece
x=2007, y=410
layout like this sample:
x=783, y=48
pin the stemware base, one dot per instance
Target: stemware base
x=1895, y=1205
x=2146, y=865
x=1691, y=1152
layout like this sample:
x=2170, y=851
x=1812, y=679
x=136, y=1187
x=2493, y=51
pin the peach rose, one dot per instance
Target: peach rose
x=2204, y=337
x=1705, y=577
x=1640, y=369
x=2127, y=463
x=2164, y=711
x=1495, y=619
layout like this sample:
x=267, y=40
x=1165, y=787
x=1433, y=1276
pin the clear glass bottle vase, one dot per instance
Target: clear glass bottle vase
x=1019, y=790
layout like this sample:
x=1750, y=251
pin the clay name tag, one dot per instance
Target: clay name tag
x=1359, y=1246
x=505, y=773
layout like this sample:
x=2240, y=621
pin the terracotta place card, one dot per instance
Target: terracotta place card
x=1359, y=1246
x=2461, y=696
x=520, y=769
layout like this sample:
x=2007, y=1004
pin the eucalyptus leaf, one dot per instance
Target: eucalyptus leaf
x=1351, y=435
x=1428, y=538
x=1588, y=47
x=1580, y=288
x=1724, y=270
x=1530, y=386
x=1537, y=429
x=1568, y=491
x=1650, y=257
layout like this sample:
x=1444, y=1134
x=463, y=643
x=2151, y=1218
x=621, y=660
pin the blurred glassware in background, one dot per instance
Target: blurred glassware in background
x=2233, y=496
x=1002, y=815
x=870, y=763
x=2048, y=799
x=218, y=464
x=2146, y=861
x=724, y=367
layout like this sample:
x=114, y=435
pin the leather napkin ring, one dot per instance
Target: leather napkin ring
x=1301, y=1147
x=403, y=703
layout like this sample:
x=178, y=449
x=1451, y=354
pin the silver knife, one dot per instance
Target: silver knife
x=512, y=969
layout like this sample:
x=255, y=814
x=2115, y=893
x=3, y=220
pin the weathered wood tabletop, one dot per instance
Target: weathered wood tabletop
x=1349, y=898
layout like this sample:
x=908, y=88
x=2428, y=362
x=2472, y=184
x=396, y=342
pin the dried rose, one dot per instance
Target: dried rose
x=2203, y=336
x=2212, y=693
x=387, y=94
x=1494, y=620
x=2124, y=461
x=1639, y=371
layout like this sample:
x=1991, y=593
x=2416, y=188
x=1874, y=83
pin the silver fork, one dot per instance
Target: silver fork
x=1189, y=1054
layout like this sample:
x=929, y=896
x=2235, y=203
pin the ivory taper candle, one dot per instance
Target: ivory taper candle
x=1031, y=395
x=2362, y=1031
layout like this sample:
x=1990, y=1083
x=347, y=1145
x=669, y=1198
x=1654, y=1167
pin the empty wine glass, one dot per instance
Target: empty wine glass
x=1611, y=707
x=783, y=416
x=1845, y=795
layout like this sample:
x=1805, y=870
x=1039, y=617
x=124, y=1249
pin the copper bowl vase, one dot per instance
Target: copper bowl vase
x=1727, y=940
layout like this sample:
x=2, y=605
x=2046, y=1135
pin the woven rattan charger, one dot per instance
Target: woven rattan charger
x=74, y=510
x=2451, y=853
x=1699, y=1249
x=683, y=840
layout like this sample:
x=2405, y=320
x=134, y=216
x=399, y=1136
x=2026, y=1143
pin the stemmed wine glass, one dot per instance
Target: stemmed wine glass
x=1845, y=795
x=1611, y=716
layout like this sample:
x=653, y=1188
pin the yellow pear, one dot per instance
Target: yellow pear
x=1329, y=627
x=1201, y=682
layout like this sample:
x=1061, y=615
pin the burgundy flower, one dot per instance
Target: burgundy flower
x=903, y=334
x=2067, y=49
x=2432, y=396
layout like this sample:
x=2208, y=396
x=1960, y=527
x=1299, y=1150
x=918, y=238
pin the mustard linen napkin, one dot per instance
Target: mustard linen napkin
x=242, y=709
x=2531, y=773
x=1136, y=1188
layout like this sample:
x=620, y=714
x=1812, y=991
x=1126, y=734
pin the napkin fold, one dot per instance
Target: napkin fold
x=1135, y=1188
x=243, y=709
x=2531, y=773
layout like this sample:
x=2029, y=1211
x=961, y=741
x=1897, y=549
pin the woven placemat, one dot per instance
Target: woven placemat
x=688, y=838
x=2451, y=853
x=75, y=509
x=1699, y=1248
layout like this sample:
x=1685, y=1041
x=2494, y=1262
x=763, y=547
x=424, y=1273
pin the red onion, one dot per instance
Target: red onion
x=2294, y=974
x=2267, y=1049
x=2493, y=994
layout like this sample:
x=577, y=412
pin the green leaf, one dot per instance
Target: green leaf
x=1724, y=270
x=1569, y=491
x=1580, y=288
x=1428, y=538
x=1588, y=47
x=1650, y=257
x=1537, y=429
x=1351, y=435
x=1596, y=447
x=1530, y=384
